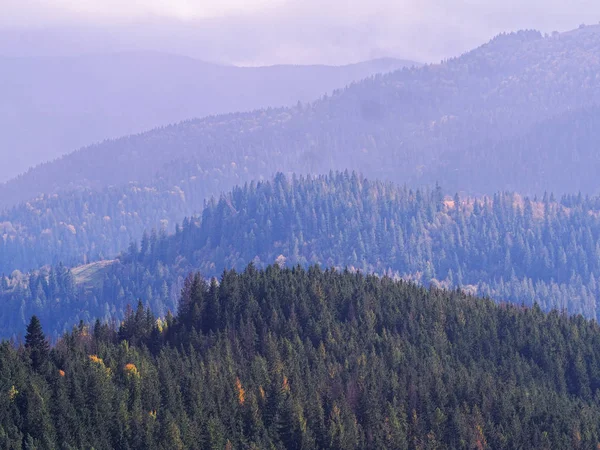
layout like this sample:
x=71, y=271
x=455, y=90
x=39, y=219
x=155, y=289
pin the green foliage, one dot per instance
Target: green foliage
x=36, y=344
x=515, y=249
x=313, y=359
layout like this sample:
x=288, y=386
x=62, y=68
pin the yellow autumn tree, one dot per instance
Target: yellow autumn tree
x=131, y=370
x=100, y=364
x=241, y=391
x=12, y=393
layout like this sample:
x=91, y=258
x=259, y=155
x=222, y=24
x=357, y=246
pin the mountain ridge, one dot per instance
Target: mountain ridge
x=400, y=126
x=84, y=99
x=506, y=247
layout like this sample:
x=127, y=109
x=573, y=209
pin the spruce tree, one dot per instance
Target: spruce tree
x=36, y=343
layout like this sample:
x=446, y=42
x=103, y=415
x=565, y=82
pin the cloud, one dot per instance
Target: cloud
x=49, y=12
x=281, y=31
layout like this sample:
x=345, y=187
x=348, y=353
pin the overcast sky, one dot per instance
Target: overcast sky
x=255, y=32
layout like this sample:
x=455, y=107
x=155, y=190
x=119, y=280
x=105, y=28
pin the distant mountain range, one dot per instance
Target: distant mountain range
x=468, y=123
x=520, y=113
x=53, y=105
x=314, y=335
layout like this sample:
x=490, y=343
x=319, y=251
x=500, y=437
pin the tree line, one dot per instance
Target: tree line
x=543, y=251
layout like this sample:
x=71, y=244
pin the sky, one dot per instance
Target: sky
x=258, y=32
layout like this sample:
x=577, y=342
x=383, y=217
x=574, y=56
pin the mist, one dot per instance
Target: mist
x=263, y=32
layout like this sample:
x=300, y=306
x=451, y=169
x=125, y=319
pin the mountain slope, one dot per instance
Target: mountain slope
x=300, y=359
x=86, y=225
x=560, y=153
x=105, y=221
x=52, y=106
x=509, y=248
x=405, y=127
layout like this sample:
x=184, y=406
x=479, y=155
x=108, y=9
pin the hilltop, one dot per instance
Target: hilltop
x=309, y=359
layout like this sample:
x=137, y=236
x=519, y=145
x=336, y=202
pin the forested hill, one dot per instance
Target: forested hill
x=406, y=127
x=85, y=225
x=511, y=248
x=54, y=105
x=464, y=123
x=302, y=359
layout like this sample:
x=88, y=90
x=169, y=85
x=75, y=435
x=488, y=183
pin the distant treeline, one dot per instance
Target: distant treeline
x=510, y=248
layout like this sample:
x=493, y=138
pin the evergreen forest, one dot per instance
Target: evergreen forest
x=305, y=358
x=527, y=251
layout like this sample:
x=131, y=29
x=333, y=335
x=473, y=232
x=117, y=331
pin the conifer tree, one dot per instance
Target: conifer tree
x=36, y=343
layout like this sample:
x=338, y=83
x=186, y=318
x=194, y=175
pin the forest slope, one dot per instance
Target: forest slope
x=513, y=249
x=519, y=113
x=302, y=359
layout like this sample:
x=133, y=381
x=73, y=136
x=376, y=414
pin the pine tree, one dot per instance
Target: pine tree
x=36, y=343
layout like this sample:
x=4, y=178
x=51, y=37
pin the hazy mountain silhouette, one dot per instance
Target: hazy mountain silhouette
x=416, y=125
x=54, y=105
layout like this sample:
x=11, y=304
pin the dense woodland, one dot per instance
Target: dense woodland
x=519, y=113
x=294, y=358
x=326, y=311
x=520, y=250
x=87, y=226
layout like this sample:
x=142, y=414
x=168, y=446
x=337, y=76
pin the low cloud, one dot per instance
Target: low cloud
x=279, y=31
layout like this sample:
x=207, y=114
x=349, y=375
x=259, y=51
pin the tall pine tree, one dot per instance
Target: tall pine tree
x=36, y=344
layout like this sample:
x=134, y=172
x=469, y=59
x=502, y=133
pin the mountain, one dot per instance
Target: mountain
x=81, y=226
x=308, y=359
x=507, y=247
x=350, y=310
x=54, y=105
x=410, y=126
x=520, y=113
